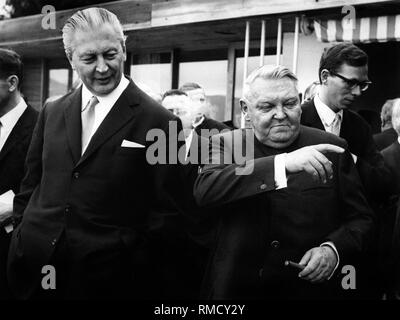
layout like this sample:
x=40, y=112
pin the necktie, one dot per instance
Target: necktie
x=335, y=126
x=88, y=116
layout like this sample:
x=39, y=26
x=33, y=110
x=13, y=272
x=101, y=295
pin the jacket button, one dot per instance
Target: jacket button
x=275, y=244
x=54, y=242
x=263, y=186
x=67, y=209
x=76, y=175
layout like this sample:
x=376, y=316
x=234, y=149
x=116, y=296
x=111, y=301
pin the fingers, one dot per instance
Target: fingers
x=325, y=163
x=306, y=258
x=326, y=147
x=318, y=267
x=311, y=267
x=319, y=168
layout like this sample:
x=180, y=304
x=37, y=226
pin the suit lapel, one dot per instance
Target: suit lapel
x=17, y=134
x=73, y=124
x=311, y=117
x=121, y=113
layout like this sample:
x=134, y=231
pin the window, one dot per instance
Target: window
x=152, y=72
x=58, y=82
x=209, y=70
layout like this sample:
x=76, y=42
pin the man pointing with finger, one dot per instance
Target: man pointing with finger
x=303, y=201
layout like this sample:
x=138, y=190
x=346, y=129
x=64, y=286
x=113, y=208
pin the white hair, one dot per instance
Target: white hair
x=396, y=116
x=267, y=72
x=89, y=19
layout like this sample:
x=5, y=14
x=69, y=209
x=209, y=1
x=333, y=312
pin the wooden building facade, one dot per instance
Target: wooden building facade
x=216, y=43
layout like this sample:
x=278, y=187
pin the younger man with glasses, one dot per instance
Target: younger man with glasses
x=343, y=74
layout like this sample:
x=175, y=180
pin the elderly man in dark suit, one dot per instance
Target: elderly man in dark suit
x=296, y=197
x=17, y=121
x=391, y=219
x=91, y=197
x=388, y=135
x=343, y=73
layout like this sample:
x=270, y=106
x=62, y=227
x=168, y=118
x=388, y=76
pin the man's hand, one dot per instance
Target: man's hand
x=320, y=263
x=6, y=211
x=311, y=159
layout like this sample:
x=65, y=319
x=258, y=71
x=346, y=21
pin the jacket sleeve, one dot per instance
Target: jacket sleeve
x=225, y=179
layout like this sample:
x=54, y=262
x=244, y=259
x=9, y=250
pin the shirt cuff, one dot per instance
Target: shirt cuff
x=354, y=157
x=280, y=171
x=333, y=247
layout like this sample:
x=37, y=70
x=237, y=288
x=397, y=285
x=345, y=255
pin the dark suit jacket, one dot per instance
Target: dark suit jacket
x=390, y=226
x=261, y=227
x=13, y=153
x=104, y=204
x=12, y=159
x=210, y=124
x=385, y=138
x=356, y=131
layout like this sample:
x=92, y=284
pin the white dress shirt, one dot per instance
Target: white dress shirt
x=328, y=116
x=331, y=120
x=105, y=103
x=9, y=120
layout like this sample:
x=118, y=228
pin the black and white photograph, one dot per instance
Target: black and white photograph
x=200, y=158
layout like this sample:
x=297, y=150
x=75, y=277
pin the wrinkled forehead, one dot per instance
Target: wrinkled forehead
x=273, y=90
x=103, y=38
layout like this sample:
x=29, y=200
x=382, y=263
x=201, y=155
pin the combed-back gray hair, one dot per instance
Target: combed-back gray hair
x=396, y=116
x=86, y=20
x=267, y=72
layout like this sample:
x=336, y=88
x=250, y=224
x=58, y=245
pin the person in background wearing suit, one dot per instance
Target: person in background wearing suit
x=202, y=121
x=17, y=121
x=200, y=230
x=388, y=134
x=91, y=201
x=343, y=73
x=302, y=200
x=391, y=154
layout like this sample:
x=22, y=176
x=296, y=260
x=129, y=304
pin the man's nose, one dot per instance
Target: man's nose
x=101, y=65
x=279, y=112
x=356, y=91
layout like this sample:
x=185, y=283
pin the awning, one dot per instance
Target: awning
x=373, y=29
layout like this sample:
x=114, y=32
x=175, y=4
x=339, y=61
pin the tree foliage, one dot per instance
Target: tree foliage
x=20, y=8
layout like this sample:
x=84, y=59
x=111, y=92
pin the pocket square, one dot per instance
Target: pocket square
x=131, y=144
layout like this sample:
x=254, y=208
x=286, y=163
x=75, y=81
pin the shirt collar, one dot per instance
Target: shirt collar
x=198, y=122
x=109, y=99
x=9, y=120
x=326, y=114
x=398, y=139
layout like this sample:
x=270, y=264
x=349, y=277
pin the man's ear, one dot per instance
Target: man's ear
x=13, y=82
x=324, y=76
x=245, y=109
x=124, y=50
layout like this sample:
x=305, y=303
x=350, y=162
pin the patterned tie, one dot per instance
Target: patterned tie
x=88, y=116
x=335, y=126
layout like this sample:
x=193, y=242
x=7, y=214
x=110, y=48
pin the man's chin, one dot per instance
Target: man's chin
x=103, y=90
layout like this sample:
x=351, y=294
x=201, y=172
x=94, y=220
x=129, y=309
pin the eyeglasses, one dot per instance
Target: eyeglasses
x=352, y=83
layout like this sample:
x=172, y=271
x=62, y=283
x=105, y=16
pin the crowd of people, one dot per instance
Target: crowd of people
x=301, y=204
